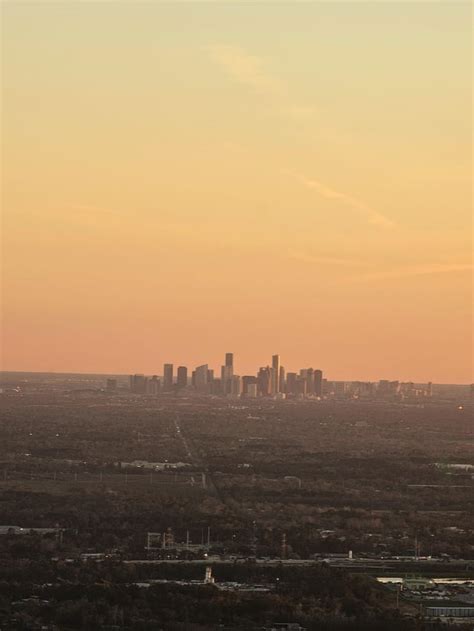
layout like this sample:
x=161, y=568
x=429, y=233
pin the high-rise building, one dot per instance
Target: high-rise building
x=318, y=383
x=264, y=381
x=301, y=386
x=281, y=380
x=138, y=384
x=227, y=372
x=153, y=385
x=168, y=377
x=248, y=380
x=201, y=379
x=236, y=386
x=182, y=377
x=291, y=383
x=251, y=391
x=310, y=381
x=275, y=384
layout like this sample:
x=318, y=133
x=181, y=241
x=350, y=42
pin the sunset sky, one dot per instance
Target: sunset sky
x=186, y=179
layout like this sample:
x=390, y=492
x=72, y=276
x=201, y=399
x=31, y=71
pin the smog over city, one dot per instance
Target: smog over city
x=236, y=386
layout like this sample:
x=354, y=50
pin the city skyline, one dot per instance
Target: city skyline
x=180, y=178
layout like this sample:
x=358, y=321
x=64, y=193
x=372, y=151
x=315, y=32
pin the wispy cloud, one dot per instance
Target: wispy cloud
x=244, y=68
x=297, y=255
x=418, y=270
x=371, y=215
x=251, y=70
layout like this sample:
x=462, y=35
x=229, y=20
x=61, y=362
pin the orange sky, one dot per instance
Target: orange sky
x=186, y=179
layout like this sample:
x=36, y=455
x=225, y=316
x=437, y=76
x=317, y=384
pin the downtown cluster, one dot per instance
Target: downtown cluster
x=270, y=381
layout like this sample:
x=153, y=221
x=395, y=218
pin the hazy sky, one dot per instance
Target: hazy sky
x=185, y=179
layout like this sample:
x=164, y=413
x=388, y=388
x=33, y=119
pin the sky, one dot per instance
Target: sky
x=183, y=179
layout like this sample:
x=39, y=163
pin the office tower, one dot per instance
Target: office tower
x=251, y=391
x=210, y=375
x=227, y=372
x=201, y=379
x=340, y=388
x=264, y=381
x=236, y=386
x=138, y=384
x=248, y=380
x=153, y=385
x=291, y=383
x=318, y=383
x=168, y=377
x=182, y=377
x=301, y=386
x=216, y=387
x=275, y=384
x=111, y=385
x=282, y=380
x=310, y=381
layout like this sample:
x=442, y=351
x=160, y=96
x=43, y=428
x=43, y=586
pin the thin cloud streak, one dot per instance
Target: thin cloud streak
x=418, y=270
x=323, y=260
x=249, y=70
x=372, y=216
x=243, y=67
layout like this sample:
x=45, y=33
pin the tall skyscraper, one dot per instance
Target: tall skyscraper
x=318, y=383
x=227, y=372
x=236, y=386
x=168, y=377
x=264, y=381
x=201, y=379
x=291, y=383
x=282, y=380
x=182, y=377
x=275, y=387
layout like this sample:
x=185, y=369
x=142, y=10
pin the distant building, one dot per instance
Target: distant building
x=168, y=377
x=264, y=381
x=281, y=380
x=275, y=382
x=153, y=385
x=318, y=383
x=182, y=377
x=201, y=379
x=236, y=386
x=248, y=380
x=291, y=383
x=227, y=372
x=138, y=384
x=251, y=391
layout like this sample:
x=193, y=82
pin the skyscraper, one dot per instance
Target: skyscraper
x=153, y=386
x=138, y=384
x=291, y=383
x=227, y=372
x=282, y=380
x=275, y=387
x=201, y=379
x=264, y=381
x=318, y=383
x=168, y=377
x=182, y=377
